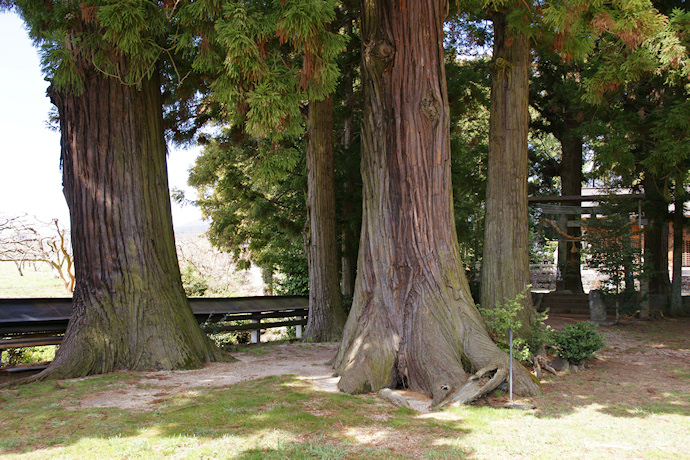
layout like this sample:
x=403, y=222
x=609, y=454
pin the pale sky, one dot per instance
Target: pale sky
x=30, y=176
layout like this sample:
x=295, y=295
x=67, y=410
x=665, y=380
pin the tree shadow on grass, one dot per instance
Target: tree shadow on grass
x=611, y=398
x=275, y=417
x=643, y=370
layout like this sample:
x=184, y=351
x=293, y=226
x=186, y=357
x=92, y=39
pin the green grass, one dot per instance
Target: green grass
x=286, y=418
x=38, y=282
x=277, y=417
x=681, y=374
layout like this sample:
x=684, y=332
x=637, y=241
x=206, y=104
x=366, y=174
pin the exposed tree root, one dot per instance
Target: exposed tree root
x=477, y=385
x=541, y=363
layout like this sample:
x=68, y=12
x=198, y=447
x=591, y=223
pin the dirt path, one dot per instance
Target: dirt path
x=642, y=361
x=309, y=361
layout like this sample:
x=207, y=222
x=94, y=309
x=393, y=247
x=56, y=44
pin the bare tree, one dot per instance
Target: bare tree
x=218, y=268
x=26, y=240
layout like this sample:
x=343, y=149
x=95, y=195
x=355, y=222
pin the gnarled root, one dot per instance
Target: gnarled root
x=477, y=385
x=541, y=363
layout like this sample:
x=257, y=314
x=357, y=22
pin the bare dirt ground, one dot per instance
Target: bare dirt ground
x=650, y=356
x=309, y=361
x=641, y=362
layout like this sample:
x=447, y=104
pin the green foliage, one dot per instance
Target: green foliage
x=631, y=35
x=123, y=39
x=468, y=94
x=194, y=284
x=503, y=317
x=15, y=356
x=542, y=335
x=578, y=342
x=253, y=192
x=227, y=340
x=614, y=251
x=267, y=58
x=295, y=273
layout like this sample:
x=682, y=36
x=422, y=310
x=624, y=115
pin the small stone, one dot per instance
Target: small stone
x=597, y=308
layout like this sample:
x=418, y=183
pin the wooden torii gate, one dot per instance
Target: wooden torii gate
x=569, y=211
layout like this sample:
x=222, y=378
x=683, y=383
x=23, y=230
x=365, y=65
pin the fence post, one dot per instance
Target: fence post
x=256, y=334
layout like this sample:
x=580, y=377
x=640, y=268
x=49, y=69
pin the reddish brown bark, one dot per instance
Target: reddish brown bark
x=130, y=311
x=413, y=322
x=326, y=314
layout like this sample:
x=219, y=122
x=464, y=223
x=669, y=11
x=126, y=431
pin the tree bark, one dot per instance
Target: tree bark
x=130, y=310
x=656, y=236
x=571, y=179
x=505, y=261
x=413, y=322
x=326, y=314
x=349, y=238
x=348, y=261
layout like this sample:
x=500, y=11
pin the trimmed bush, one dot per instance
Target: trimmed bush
x=578, y=342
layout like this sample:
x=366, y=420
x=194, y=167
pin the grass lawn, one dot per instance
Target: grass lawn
x=36, y=282
x=633, y=401
x=614, y=409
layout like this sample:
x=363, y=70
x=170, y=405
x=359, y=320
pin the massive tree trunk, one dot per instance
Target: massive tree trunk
x=326, y=314
x=130, y=310
x=571, y=180
x=505, y=260
x=413, y=322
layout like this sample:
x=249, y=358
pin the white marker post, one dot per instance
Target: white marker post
x=510, y=377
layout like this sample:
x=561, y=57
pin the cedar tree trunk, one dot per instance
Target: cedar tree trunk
x=326, y=314
x=505, y=261
x=349, y=238
x=130, y=310
x=571, y=179
x=413, y=322
x=656, y=236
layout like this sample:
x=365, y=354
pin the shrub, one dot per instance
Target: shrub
x=578, y=342
x=15, y=356
x=500, y=319
x=295, y=271
x=227, y=340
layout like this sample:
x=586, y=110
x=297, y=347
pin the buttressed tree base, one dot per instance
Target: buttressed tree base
x=413, y=322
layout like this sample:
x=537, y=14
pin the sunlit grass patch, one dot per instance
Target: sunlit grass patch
x=38, y=281
x=285, y=417
x=682, y=373
x=276, y=417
